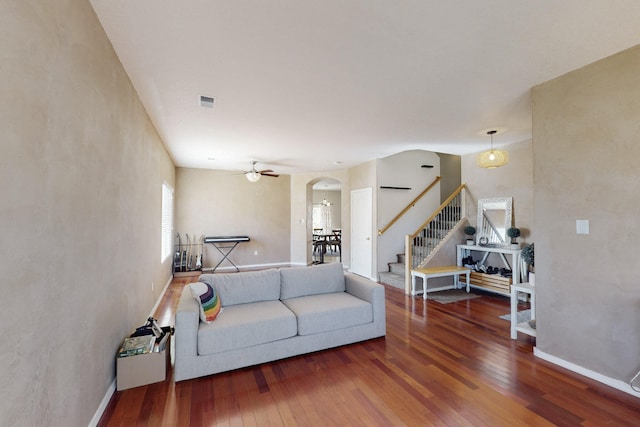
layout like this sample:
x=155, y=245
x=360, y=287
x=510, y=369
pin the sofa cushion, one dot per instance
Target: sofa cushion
x=328, y=312
x=245, y=287
x=312, y=280
x=246, y=325
x=208, y=301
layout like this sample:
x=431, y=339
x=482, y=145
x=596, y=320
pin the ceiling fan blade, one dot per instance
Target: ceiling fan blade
x=265, y=170
x=269, y=174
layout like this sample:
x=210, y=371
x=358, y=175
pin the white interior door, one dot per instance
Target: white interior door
x=361, y=226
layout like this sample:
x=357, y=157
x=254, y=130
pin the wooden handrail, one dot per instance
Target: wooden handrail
x=409, y=206
x=440, y=208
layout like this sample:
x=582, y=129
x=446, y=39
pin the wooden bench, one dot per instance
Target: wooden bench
x=430, y=272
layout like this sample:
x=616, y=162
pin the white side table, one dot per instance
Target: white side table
x=523, y=326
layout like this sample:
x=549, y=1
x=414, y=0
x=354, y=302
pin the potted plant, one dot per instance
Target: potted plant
x=470, y=231
x=528, y=257
x=514, y=233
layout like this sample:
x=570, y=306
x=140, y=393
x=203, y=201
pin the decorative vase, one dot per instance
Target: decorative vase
x=470, y=242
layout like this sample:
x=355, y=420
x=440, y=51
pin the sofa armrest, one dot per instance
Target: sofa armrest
x=187, y=322
x=362, y=288
x=371, y=292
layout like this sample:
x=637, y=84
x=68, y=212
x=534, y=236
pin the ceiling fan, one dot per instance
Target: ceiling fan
x=254, y=175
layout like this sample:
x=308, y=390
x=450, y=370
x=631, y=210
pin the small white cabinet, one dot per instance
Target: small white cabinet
x=523, y=327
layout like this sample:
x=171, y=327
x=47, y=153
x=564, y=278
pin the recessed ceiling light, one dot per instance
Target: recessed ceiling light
x=337, y=162
x=211, y=158
x=207, y=101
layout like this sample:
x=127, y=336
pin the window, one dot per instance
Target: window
x=167, y=222
x=321, y=217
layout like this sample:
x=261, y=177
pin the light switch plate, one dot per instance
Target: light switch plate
x=582, y=226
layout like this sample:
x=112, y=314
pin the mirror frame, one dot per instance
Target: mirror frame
x=508, y=216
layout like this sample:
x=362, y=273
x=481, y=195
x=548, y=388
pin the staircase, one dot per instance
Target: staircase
x=395, y=276
x=425, y=242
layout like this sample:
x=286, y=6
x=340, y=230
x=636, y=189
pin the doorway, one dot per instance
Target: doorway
x=326, y=221
x=361, y=232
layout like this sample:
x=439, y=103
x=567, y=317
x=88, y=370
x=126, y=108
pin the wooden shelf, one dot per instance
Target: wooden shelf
x=491, y=282
x=525, y=328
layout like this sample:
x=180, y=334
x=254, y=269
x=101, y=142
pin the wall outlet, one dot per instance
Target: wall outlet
x=255, y=252
x=152, y=286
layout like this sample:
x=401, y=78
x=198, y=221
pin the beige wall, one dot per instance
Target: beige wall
x=217, y=203
x=81, y=172
x=403, y=170
x=586, y=130
x=451, y=173
x=515, y=179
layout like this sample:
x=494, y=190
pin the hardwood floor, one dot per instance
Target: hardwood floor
x=440, y=365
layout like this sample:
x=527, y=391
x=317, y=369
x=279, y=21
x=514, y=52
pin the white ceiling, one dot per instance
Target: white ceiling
x=300, y=85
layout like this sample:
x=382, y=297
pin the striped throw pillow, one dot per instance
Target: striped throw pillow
x=208, y=300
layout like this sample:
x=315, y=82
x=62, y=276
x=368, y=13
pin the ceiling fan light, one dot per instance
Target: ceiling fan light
x=252, y=176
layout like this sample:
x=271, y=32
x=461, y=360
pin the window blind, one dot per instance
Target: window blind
x=167, y=222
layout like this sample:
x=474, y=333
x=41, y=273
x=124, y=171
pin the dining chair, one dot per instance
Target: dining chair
x=335, y=241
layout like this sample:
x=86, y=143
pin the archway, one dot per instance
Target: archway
x=324, y=220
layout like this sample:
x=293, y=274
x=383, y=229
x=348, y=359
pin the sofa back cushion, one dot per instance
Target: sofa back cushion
x=313, y=280
x=245, y=287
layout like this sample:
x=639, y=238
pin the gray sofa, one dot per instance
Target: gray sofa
x=273, y=314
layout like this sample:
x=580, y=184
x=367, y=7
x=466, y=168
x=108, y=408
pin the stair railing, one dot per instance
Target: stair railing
x=409, y=206
x=422, y=243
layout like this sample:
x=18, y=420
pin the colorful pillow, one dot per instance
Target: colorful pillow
x=208, y=300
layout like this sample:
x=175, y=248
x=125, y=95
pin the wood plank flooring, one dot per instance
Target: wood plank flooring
x=439, y=365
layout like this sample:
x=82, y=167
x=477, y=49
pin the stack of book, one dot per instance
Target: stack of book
x=137, y=345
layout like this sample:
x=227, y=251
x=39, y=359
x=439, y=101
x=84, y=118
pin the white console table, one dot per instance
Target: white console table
x=464, y=250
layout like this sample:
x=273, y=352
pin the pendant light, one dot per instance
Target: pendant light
x=493, y=158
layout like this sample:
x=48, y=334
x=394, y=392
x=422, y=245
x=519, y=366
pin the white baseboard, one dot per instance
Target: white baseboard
x=112, y=388
x=617, y=384
x=159, y=300
x=103, y=405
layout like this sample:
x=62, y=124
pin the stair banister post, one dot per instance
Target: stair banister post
x=408, y=264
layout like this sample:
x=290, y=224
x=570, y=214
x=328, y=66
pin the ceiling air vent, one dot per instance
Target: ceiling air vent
x=206, y=101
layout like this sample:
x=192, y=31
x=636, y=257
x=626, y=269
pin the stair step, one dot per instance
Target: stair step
x=396, y=268
x=392, y=279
